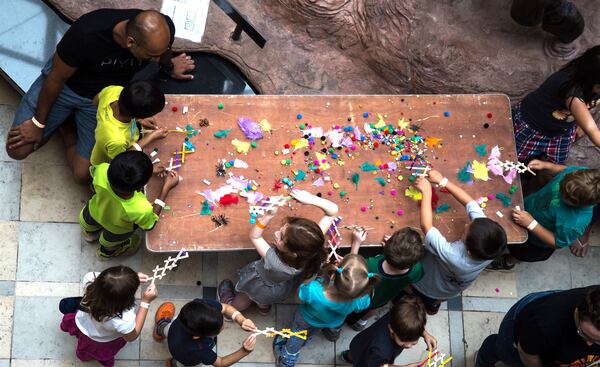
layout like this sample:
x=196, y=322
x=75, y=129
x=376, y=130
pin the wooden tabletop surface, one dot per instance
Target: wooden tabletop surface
x=461, y=122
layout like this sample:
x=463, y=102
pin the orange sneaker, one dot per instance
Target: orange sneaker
x=165, y=313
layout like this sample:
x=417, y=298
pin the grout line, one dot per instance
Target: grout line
x=456, y=331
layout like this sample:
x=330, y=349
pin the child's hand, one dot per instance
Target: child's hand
x=148, y=123
x=537, y=165
x=303, y=197
x=248, y=325
x=430, y=341
x=521, y=217
x=249, y=343
x=171, y=180
x=143, y=277
x=435, y=176
x=359, y=236
x=271, y=212
x=385, y=238
x=159, y=170
x=160, y=133
x=423, y=185
x=150, y=294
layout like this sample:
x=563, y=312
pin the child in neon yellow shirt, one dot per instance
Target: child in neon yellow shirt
x=118, y=110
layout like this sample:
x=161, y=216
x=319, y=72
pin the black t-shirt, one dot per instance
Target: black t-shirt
x=546, y=327
x=374, y=346
x=544, y=109
x=89, y=46
x=189, y=351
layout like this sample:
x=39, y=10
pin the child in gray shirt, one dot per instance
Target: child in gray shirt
x=450, y=267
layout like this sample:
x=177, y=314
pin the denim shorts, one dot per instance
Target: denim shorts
x=67, y=103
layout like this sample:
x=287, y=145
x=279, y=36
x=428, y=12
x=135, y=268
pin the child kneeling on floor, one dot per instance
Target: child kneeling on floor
x=401, y=328
x=105, y=320
x=191, y=336
x=119, y=206
x=337, y=292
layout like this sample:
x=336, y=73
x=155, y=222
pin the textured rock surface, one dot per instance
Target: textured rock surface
x=378, y=46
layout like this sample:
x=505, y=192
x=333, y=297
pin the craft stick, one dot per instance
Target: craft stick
x=176, y=160
x=186, y=152
x=447, y=360
x=182, y=153
x=144, y=131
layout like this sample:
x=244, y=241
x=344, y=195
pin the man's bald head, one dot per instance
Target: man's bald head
x=150, y=30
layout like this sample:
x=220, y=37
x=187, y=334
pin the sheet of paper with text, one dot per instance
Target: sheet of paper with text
x=189, y=17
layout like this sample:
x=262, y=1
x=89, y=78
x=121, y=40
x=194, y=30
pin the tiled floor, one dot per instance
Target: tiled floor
x=43, y=259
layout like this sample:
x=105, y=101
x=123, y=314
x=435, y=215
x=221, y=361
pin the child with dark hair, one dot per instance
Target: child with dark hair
x=327, y=301
x=546, y=120
x=556, y=215
x=106, y=320
x=398, y=267
x=191, y=335
x=119, y=111
x=296, y=255
x=119, y=206
x=381, y=343
x=451, y=267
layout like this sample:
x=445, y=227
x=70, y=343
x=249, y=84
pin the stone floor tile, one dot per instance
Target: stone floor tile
x=232, y=337
x=43, y=363
x=118, y=363
x=4, y=362
x=49, y=252
x=553, y=273
x=49, y=341
x=595, y=234
x=229, y=265
x=493, y=284
x=479, y=325
x=50, y=194
x=130, y=351
x=10, y=195
x=89, y=262
x=9, y=242
x=6, y=325
x=150, y=349
x=585, y=270
x=7, y=114
x=8, y=95
x=318, y=351
x=187, y=272
x=160, y=363
x=47, y=289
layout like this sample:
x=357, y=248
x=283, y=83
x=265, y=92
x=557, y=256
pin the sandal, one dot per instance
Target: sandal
x=501, y=264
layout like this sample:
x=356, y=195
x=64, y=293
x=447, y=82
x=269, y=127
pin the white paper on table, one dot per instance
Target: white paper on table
x=189, y=17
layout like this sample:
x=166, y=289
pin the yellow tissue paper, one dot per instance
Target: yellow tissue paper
x=480, y=170
x=402, y=124
x=265, y=125
x=241, y=146
x=300, y=143
x=413, y=193
x=381, y=123
x=431, y=142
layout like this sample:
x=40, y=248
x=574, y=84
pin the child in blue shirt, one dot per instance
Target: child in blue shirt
x=327, y=300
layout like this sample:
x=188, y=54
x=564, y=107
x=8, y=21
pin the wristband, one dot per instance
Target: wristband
x=235, y=314
x=443, y=182
x=144, y=305
x=260, y=225
x=532, y=225
x=159, y=202
x=137, y=147
x=37, y=123
x=246, y=350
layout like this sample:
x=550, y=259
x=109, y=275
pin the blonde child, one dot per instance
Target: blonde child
x=297, y=255
x=106, y=319
x=327, y=300
x=119, y=110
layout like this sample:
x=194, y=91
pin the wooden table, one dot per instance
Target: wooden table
x=461, y=121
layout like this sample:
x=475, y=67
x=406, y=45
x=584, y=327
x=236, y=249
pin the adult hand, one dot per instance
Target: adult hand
x=171, y=180
x=149, y=123
x=435, y=176
x=248, y=325
x=160, y=170
x=430, y=341
x=578, y=249
x=302, y=196
x=537, y=165
x=26, y=133
x=249, y=343
x=521, y=217
x=359, y=236
x=385, y=238
x=423, y=185
x=150, y=294
x=143, y=277
x=182, y=64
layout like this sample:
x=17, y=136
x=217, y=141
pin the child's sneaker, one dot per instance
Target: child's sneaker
x=164, y=314
x=360, y=325
x=264, y=310
x=129, y=248
x=331, y=334
x=91, y=237
x=226, y=292
x=345, y=356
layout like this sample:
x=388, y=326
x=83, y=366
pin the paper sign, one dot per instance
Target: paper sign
x=189, y=17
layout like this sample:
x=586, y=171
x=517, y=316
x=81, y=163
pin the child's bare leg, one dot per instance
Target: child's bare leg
x=241, y=302
x=79, y=165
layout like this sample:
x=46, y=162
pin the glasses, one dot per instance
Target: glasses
x=582, y=334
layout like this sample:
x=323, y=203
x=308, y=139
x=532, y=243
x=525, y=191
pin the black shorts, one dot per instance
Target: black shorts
x=528, y=252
